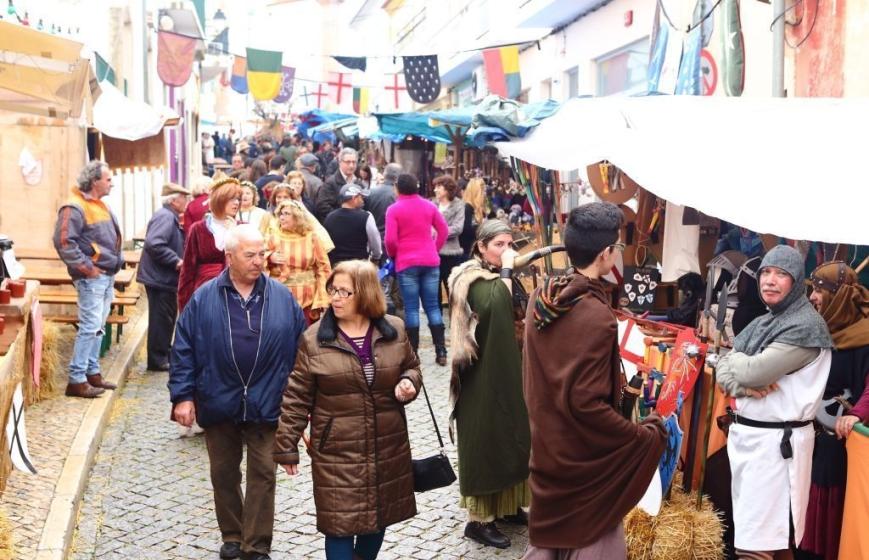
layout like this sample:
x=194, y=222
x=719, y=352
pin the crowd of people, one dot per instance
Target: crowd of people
x=285, y=289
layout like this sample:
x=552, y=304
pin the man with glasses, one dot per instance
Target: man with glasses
x=575, y=393
x=235, y=346
x=328, y=198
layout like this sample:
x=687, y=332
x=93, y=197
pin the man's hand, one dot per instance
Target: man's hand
x=291, y=470
x=179, y=265
x=405, y=390
x=94, y=272
x=185, y=413
x=760, y=392
x=844, y=425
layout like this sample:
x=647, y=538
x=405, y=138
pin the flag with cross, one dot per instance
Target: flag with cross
x=338, y=82
x=394, y=85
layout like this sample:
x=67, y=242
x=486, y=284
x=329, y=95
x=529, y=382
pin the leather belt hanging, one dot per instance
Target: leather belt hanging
x=787, y=450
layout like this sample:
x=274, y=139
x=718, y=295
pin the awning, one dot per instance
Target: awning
x=120, y=117
x=785, y=166
x=41, y=74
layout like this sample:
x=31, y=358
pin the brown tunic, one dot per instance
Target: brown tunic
x=589, y=466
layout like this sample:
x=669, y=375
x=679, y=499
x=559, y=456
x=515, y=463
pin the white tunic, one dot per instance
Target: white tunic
x=766, y=487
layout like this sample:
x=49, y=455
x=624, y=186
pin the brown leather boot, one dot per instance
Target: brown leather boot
x=97, y=381
x=84, y=390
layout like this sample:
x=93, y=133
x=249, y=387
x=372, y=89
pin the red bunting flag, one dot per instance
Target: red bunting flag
x=175, y=55
x=395, y=83
x=338, y=82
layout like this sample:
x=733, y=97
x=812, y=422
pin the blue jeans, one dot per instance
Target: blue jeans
x=94, y=303
x=342, y=548
x=420, y=282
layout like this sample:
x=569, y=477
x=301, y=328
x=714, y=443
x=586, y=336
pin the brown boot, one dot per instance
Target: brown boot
x=97, y=381
x=83, y=390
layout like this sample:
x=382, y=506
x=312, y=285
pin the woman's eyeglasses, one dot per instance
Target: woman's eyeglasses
x=340, y=292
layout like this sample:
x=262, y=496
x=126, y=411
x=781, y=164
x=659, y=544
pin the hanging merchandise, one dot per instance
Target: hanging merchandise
x=360, y=100
x=338, y=82
x=732, y=50
x=638, y=290
x=688, y=80
x=502, y=71
x=353, y=62
x=175, y=54
x=704, y=16
x=288, y=76
x=238, y=82
x=423, y=78
x=681, y=245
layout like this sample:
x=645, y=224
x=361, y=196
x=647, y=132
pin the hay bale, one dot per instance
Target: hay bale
x=639, y=534
x=708, y=535
x=674, y=529
x=7, y=551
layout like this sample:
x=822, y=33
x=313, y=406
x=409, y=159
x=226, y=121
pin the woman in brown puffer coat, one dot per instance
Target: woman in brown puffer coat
x=354, y=373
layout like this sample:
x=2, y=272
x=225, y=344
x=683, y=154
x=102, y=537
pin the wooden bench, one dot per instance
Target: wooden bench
x=70, y=298
x=112, y=319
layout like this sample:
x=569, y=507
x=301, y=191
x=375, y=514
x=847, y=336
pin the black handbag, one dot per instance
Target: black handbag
x=435, y=471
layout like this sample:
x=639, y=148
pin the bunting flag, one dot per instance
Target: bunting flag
x=318, y=93
x=353, y=62
x=238, y=81
x=338, y=82
x=264, y=73
x=360, y=100
x=502, y=71
x=395, y=83
x=289, y=77
x=220, y=43
x=175, y=55
x=423, y=79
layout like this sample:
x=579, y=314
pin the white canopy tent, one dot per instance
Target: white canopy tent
x=118, y=116
x=791, y=167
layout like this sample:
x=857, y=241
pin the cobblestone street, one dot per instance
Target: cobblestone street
x=149, y=494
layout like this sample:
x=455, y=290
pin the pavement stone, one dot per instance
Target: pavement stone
x=149, y=493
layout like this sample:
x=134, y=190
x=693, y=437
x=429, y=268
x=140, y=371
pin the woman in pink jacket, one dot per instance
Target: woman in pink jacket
x=415, y=232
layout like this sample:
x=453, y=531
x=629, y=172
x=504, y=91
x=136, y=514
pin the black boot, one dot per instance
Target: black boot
x=486, y=534
x=437, y=336
x=413, y=337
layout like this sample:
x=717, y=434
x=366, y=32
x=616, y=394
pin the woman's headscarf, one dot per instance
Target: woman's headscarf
x=791, y=321
x=846, y=309
x=487, y=231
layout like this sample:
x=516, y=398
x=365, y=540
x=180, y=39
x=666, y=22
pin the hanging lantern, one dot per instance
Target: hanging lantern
x=39, y=25
x=26, y=20
x=11, y=8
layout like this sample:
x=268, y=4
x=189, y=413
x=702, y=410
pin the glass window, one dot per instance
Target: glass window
x=573, y=82
x=624, y=71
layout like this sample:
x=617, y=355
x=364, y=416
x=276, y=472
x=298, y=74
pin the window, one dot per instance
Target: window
x=573, y=82
x=624, y=71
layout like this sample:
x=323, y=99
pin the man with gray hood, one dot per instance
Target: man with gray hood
x=777, y=371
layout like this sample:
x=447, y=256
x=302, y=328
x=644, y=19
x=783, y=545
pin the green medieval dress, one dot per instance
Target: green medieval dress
x=494, y=440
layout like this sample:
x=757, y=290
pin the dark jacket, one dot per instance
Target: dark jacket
x=586, y=458
x=87, y=235
x=312, y=185
x=164, y=246
x=360, y=454
x=381, y=197
x=202, y=365
x=328, y=196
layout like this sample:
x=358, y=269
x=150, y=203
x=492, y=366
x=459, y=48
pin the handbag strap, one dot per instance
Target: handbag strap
x=435, y=422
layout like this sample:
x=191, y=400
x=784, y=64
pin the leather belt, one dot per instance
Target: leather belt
x=787, y=450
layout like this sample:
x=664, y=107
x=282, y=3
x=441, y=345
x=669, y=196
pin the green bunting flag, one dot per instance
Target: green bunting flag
x=264, y=75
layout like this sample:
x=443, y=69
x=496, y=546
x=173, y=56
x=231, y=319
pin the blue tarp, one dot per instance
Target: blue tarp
x=492, y=119
x=316, y=117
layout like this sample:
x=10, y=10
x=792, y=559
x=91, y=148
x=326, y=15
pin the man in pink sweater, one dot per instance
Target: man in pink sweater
x=415, y=232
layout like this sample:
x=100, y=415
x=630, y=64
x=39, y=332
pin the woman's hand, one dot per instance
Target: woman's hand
x=405, y=391
x=507, y=258
x=844, y=425
x=291, y=470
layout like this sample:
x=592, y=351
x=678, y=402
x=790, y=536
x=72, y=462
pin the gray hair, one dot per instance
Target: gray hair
x=239, y=233
x=347, y=152
x=169, y=198
x=391, y=172
x=91, y=172
x=201, y=185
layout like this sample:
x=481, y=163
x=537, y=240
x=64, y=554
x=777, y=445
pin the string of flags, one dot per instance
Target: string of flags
x=263, y=75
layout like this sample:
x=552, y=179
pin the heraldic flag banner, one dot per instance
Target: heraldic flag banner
x=502, y=71
x=238, y=81
x=264, y=74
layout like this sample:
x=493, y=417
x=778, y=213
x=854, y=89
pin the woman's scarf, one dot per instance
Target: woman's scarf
x=218, y=229
x=846, y=312
x=793, y=320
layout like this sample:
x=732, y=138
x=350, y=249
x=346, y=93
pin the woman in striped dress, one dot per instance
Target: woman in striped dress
x=296, y=257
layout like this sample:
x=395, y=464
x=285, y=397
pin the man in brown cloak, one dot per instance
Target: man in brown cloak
x=589, y=465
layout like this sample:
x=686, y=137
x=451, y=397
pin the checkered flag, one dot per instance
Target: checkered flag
x=422, y=78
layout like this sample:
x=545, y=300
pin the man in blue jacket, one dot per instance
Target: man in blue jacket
x=158, y=272
x=235, y=346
